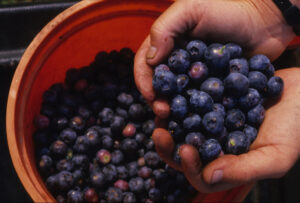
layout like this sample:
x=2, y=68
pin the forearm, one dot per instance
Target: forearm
x=296, y=3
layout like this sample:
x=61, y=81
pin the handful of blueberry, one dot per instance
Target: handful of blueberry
x=93, y=139
x=216, y=95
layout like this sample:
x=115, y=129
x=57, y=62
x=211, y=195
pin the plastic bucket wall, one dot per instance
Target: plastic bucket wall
x=72, y=39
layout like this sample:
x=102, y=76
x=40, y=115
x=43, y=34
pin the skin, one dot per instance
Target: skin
x=260, y=28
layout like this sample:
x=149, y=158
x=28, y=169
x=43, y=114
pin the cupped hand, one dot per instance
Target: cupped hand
x=271, y=155
x=258, y=26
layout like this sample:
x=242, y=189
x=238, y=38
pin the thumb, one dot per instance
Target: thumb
x=173, y=22
x=265, y=162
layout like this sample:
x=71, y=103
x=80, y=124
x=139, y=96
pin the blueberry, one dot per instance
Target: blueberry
x=149, y=183
x=68, y=135
x=41, y=121
x=213, y=122
x=201, y=102
x=192, y=123
x=235, y=120
x=42, y=137
x=110, y=172
x=195, y=138
x=103, y=156
x=145, y=172
x=65, y=111
x=129, y=146
x=256, y=115
x=122, y=112
x=77, y=123
x=257, y=80
x=122, y=172
x=219, y=108
x=75, y=196
x=179, y=61
x=59, y=123
x=48, y=111
x=176, y=155
x=179, y=107
x=198, y=72
x=45, y=163
x=259, y=62
x=239, y=65
x=250, y=132
x=251, y=99
x=176, y=131
x=121, y=184
x=161, y=67
x=182, y=81
x=80, y=161
x=237, y=143
x=81, y=144
x=64, y=180
x=160, y=176
x=164, y=82
x=217, y=58
x=234, y=50
x=155, y=194
x=50, y=97
x=84, y=112
x=79, y=178
x=275, y=86
x=136, y=185
x=91, y=195
x=93, y=137
x=210, y=150
x=152, y=159
x=214, y=87
x=132, y=168
x=125, y=100
x=196, y=49
x=129, y=197
x=222, y=137
x=136, y=111
x=117, y=157
x=107, y=142
x=106, y=115
x=269, y=71
x=64, y=165
x=114, y=195
x=51, y=182
x=229, y=102
x=140, y=138
x=117, y=125
x=236, y=84
x=59, y=149
x=148, y=127
x=141, y=153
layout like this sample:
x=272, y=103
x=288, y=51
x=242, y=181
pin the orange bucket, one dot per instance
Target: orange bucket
x=72, y=39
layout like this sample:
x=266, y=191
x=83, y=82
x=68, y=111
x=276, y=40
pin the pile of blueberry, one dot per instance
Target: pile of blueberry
x=93, y=139
x=216, y=96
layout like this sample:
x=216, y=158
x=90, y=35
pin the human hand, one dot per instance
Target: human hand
x=257, y=25
x=271, y=155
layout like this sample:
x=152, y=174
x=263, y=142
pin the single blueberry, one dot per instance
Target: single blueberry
x=201, y=102
x=195, y=138
x=176, y=131
x=106, y=115
x=269, y=71
x=239, y=65
x=77, y=123
x=132, y=168
x=250, y=132
x=64, y=180
x=117, y=157
x=65, y=165
x=117, y=125
x=236, y=84
x=125, y=100
x=136, y=185
x=161, y=67
x=229, y=102
x=136, y=111
x=45, y=163
x=179, y=107
x=196, y=49
x=198, y=72
x=219, y=108
x=234, y=50
x=179, y=61
x=122, y=172
x=210, y=150
x=93, y=137
x=148, y=127
x=80, y=161
x=114, y=195
x=217, y=58
x=235, y=120
x=129, y=146
x=68, y=135
x=81, y=144
x=214, y=87
x=257, y=80
x=259, y=62
x=164, y=82
x=213, y=122
x=182, y=81
x=237, y=143
x=192, y=123
x=155, y=194
x=251, y=99
x=256, y=115
x=110, y=172
x=59, y=149
x=275, y=86
x=152, y=159
x=75, y=196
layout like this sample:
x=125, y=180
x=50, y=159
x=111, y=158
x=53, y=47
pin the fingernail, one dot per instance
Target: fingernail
x=151, y=52
x=217, y=176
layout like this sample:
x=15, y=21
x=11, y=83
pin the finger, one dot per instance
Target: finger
x=143, y=72
x=165, y=146
x=252, y=166
x=192, y=168
x=161, y=108
x=173, y=22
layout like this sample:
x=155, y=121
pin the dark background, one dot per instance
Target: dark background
x=18, y=26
